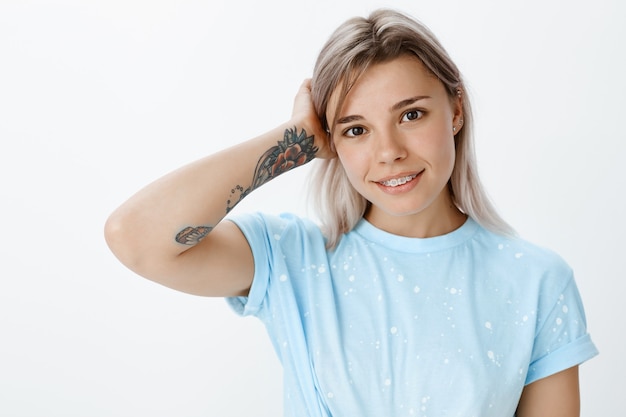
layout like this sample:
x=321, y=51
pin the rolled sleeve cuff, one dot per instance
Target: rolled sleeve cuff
x=572, y=354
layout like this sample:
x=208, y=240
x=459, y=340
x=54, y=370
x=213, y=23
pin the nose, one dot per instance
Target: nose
x=390, y=147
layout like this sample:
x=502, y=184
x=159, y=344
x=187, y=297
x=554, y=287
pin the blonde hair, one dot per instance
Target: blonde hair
x=353, y=47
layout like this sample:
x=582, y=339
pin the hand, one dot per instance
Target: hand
x=305, y=116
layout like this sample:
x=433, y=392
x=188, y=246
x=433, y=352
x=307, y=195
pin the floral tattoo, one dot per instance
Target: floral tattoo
x=293, y=151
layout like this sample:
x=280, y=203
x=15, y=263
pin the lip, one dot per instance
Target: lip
x=398, y=189
x=398, y=175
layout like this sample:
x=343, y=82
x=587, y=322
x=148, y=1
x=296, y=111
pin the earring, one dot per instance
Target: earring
x=460, y=125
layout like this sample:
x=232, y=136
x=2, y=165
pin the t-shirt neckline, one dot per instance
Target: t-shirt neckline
x=414, y=244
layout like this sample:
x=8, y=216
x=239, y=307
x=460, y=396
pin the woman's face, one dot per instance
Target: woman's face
x=395, y=141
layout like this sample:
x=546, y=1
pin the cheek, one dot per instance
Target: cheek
x=448, y=155
x=438, y=152
x=346, y=160
x=354, y=164
x=445, y=146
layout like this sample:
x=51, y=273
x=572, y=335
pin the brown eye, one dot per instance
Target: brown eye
x=411, y=115
x=354, y=131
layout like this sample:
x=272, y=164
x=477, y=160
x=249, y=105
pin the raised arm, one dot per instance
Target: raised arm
x=171, y=231
x=557, y=395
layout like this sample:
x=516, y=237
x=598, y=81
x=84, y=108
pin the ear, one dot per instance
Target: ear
x=457, y=111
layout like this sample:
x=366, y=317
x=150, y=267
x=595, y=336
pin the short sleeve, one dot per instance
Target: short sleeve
x=256, y=232
x=562, y=340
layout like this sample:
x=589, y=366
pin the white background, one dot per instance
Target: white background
x=98, y=98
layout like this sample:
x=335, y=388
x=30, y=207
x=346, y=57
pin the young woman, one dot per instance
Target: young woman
x=413, y=297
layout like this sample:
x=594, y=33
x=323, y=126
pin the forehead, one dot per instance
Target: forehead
x=386, y=83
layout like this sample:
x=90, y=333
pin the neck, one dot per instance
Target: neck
x=438, y=219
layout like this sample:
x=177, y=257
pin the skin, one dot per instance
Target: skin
x=397, y=121
x=557, y=395
x=172, y=231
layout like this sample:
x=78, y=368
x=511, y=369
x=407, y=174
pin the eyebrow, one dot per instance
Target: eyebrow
x=407, y=102
x=395, y=107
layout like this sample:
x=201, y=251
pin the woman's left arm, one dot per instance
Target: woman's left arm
x=557, y=395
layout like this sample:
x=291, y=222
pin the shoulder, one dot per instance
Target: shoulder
x=277, y=229
x=520, y=250
x=522, y=261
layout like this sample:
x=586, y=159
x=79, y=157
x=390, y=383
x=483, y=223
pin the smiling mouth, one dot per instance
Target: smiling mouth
x=394, y=182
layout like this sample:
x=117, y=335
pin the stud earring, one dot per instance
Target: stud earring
x=460, y=125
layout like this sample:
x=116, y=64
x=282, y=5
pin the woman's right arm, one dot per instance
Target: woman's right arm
x=171, y=231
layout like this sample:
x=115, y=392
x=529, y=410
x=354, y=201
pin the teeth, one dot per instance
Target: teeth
x=394, y=182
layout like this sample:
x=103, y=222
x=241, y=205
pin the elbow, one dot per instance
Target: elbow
x=112, y=229
x=116, y=236
x=112, y=233
x=129, y=239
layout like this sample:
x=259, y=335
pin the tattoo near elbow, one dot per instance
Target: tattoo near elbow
x=192, y=235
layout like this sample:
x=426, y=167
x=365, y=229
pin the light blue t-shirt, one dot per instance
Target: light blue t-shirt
x=385, y=325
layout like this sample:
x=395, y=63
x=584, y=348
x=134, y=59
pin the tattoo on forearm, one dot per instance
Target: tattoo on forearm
x=293, y=151
x=192, y=235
